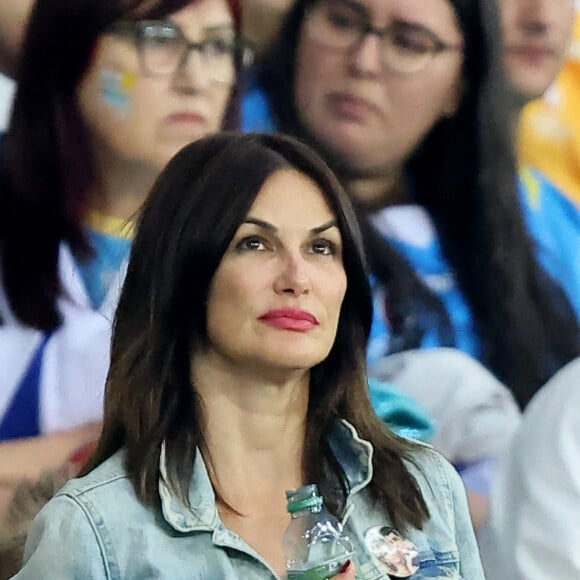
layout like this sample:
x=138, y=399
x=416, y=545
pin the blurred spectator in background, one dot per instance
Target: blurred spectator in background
x=537, y=38
x=406, y=99
x=13, y=18
x=535, y=504
x=87, y=138
x=549, y=137
x=26, y=501
x=396, y=94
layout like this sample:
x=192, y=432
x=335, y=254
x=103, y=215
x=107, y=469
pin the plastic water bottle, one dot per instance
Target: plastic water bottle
x=315, y=546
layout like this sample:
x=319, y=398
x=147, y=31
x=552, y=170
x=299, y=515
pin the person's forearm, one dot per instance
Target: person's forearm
x=13, y=18
x=478, y=509
x=28, y=458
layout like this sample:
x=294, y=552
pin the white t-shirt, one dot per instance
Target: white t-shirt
x=534, y=525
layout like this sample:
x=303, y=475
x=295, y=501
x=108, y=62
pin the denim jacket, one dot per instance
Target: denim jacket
x=95, y=527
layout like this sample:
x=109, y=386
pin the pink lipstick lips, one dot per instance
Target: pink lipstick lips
x=290, y=319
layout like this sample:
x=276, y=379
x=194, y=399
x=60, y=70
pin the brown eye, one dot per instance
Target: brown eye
x=251, y=244
x=343, y=19
x=412, y=42
x=219, y=46
x=324, y=247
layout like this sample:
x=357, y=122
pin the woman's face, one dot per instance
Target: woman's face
x=354, y=103
x=140, y=117
x=275, y=300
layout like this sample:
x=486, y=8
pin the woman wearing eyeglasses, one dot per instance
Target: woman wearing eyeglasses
x=106, y=96
x=407, y=101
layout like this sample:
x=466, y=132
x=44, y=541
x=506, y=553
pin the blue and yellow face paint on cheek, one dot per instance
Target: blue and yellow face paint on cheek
x=116, y=90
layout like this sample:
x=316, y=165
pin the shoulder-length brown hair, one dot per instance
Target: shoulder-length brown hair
x=187, y=223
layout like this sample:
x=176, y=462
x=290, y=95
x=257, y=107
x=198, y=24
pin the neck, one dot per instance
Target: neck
x=378, y=192
x=254, y=432
x=122, y=186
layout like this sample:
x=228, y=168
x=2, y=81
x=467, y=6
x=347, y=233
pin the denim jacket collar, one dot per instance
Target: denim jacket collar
x=203, y=514
x=353, y=454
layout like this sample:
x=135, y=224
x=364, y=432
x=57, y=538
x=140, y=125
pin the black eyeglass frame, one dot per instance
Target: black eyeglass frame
x=367, y=29
x=243, y=53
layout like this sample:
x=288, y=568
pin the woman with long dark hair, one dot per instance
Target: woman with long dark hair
x=237, y=373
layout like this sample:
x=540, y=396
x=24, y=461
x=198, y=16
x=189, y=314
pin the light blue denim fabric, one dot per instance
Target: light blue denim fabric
x=96, y=528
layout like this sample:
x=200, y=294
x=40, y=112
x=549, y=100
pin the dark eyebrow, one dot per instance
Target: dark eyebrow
x=411, y=26
x=324, y=227
x=261, y=224
x=219, y=28
x=225, y=27
x=268, y=226
x=361, y=9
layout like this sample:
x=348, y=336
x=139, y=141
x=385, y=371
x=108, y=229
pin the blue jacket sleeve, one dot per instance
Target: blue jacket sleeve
x=63, y=544
x=469, y=559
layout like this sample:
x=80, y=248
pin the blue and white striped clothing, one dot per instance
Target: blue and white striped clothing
x=56, y=382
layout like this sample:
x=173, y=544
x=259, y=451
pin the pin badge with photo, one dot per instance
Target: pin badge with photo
x=398, y=555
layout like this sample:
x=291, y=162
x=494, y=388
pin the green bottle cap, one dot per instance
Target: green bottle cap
x=304, y=504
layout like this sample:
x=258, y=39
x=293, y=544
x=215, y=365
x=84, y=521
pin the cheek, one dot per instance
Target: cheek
x=226, y=296
x=220, y=99
x=113, y=76
x=313, y=69
x=129, y=112
x=432, y=97
x=509, y=17
x=217, y=313
x=229, y=307
x=116, y=92
x=336, y=291
x=567, y=28
x=106, y=106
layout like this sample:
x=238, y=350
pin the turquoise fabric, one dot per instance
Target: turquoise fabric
x=403, y=414
x=98, y=271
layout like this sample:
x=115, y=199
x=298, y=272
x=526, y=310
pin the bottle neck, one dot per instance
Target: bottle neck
x=305, y=503
x=307, y=511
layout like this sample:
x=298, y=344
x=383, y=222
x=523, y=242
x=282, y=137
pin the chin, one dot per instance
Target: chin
x=297, y=359
x=530, y=88
x=346, y=157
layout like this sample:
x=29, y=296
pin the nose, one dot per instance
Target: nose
x=366, y=58
x=535, y=18
x=294, y=276
x=192, y=73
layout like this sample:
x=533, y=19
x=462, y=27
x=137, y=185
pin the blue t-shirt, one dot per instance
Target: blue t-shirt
x=101, y=269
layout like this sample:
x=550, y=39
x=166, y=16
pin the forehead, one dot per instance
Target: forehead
x=564, y=6
x=202, y=14
x=437, y=14
x=291, y=199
